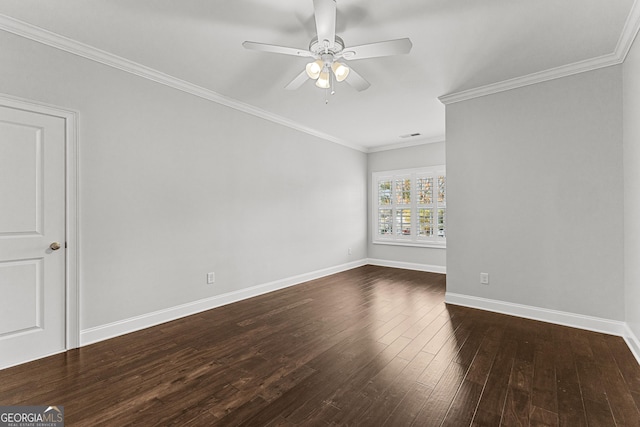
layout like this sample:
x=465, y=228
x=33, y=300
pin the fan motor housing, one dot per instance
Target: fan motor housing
x=319, y=48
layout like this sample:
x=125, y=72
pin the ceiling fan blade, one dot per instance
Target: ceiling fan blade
x=373, y=50
x=271, y=48
x=298, y=81
x=325, y=13
x=356, y=81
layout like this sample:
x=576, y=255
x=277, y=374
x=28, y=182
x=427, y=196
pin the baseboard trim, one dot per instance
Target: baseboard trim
x=408, y=265
x=632, y=342
x=121, y=327
x=596, y=324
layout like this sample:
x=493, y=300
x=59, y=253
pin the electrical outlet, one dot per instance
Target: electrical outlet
x=484, y=278
x=349, y=251
x=211, y=278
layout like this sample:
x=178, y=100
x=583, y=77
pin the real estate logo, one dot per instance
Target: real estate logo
x=31, y=416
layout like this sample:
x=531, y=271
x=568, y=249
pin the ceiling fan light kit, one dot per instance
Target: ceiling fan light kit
x=327, y=48
x=319, y=70
x=323, y=81
x=314, y=68
x=340, y=70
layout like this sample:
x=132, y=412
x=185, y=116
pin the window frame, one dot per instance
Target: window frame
x=412, y=239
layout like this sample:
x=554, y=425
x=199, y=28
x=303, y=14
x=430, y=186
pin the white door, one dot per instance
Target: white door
x=32, y=220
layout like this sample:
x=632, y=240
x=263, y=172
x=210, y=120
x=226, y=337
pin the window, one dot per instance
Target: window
x=409, y=207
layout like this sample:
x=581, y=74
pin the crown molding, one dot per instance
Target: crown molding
x=32, y=32
x=75, y=47
x=629, y=32
x=531, y=79
x=421, y=141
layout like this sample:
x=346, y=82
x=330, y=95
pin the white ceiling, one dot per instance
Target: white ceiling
x=457, y=45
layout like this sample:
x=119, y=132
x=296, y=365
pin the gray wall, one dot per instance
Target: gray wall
x=173, y=186
x=631, y=80
x=535, y=195
x=405, y=158
x=164, y=173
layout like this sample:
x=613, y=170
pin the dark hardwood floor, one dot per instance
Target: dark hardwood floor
x=373, y=346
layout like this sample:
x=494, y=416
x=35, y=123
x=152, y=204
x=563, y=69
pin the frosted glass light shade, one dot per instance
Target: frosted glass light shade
x=340, y=70
x=314, y=68
x=323, y=80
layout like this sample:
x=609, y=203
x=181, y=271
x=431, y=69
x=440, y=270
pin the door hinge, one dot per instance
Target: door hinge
x=65, y=245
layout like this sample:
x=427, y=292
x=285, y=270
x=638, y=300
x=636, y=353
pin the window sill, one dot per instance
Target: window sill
x=433, y=245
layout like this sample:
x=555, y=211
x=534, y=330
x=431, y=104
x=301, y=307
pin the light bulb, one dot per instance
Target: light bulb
x=323, y=80
x=340, y=70
x=314, y=68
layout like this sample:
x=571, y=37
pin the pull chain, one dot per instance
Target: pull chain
x=326, y=91
x=331, y=87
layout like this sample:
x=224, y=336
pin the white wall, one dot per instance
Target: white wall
x=405, y=158
x=535, y=195
x=173, y=186
x=631, y=107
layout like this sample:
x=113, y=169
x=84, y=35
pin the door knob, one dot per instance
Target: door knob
x=55, y=246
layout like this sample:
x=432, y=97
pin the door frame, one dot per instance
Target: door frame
x=72, y=217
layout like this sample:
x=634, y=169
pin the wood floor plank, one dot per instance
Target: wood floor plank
x=625, y=361
x=401, y=328
x=521, y=375
x=621, y=402
x=598, y=413
x=542, y=418
x=387, y=393
x=242, y=412
x=436, y=310
x=342, y=363
x=594, y=395
x=492, y=401
x=286, y=403
x=378, y=383
x=280, y=422
x=571, y=410
x=516, y=408
x=418, y=343
x=465, y=403
x=439, y=401
x=350, y=398
x=409, y=407
x=448, y=337
x=370, y=346
x=463, y=407
x=482, y=362
x=434, y=371
x=544, y=392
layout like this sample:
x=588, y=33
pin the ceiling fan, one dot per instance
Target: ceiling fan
x=327, y=49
